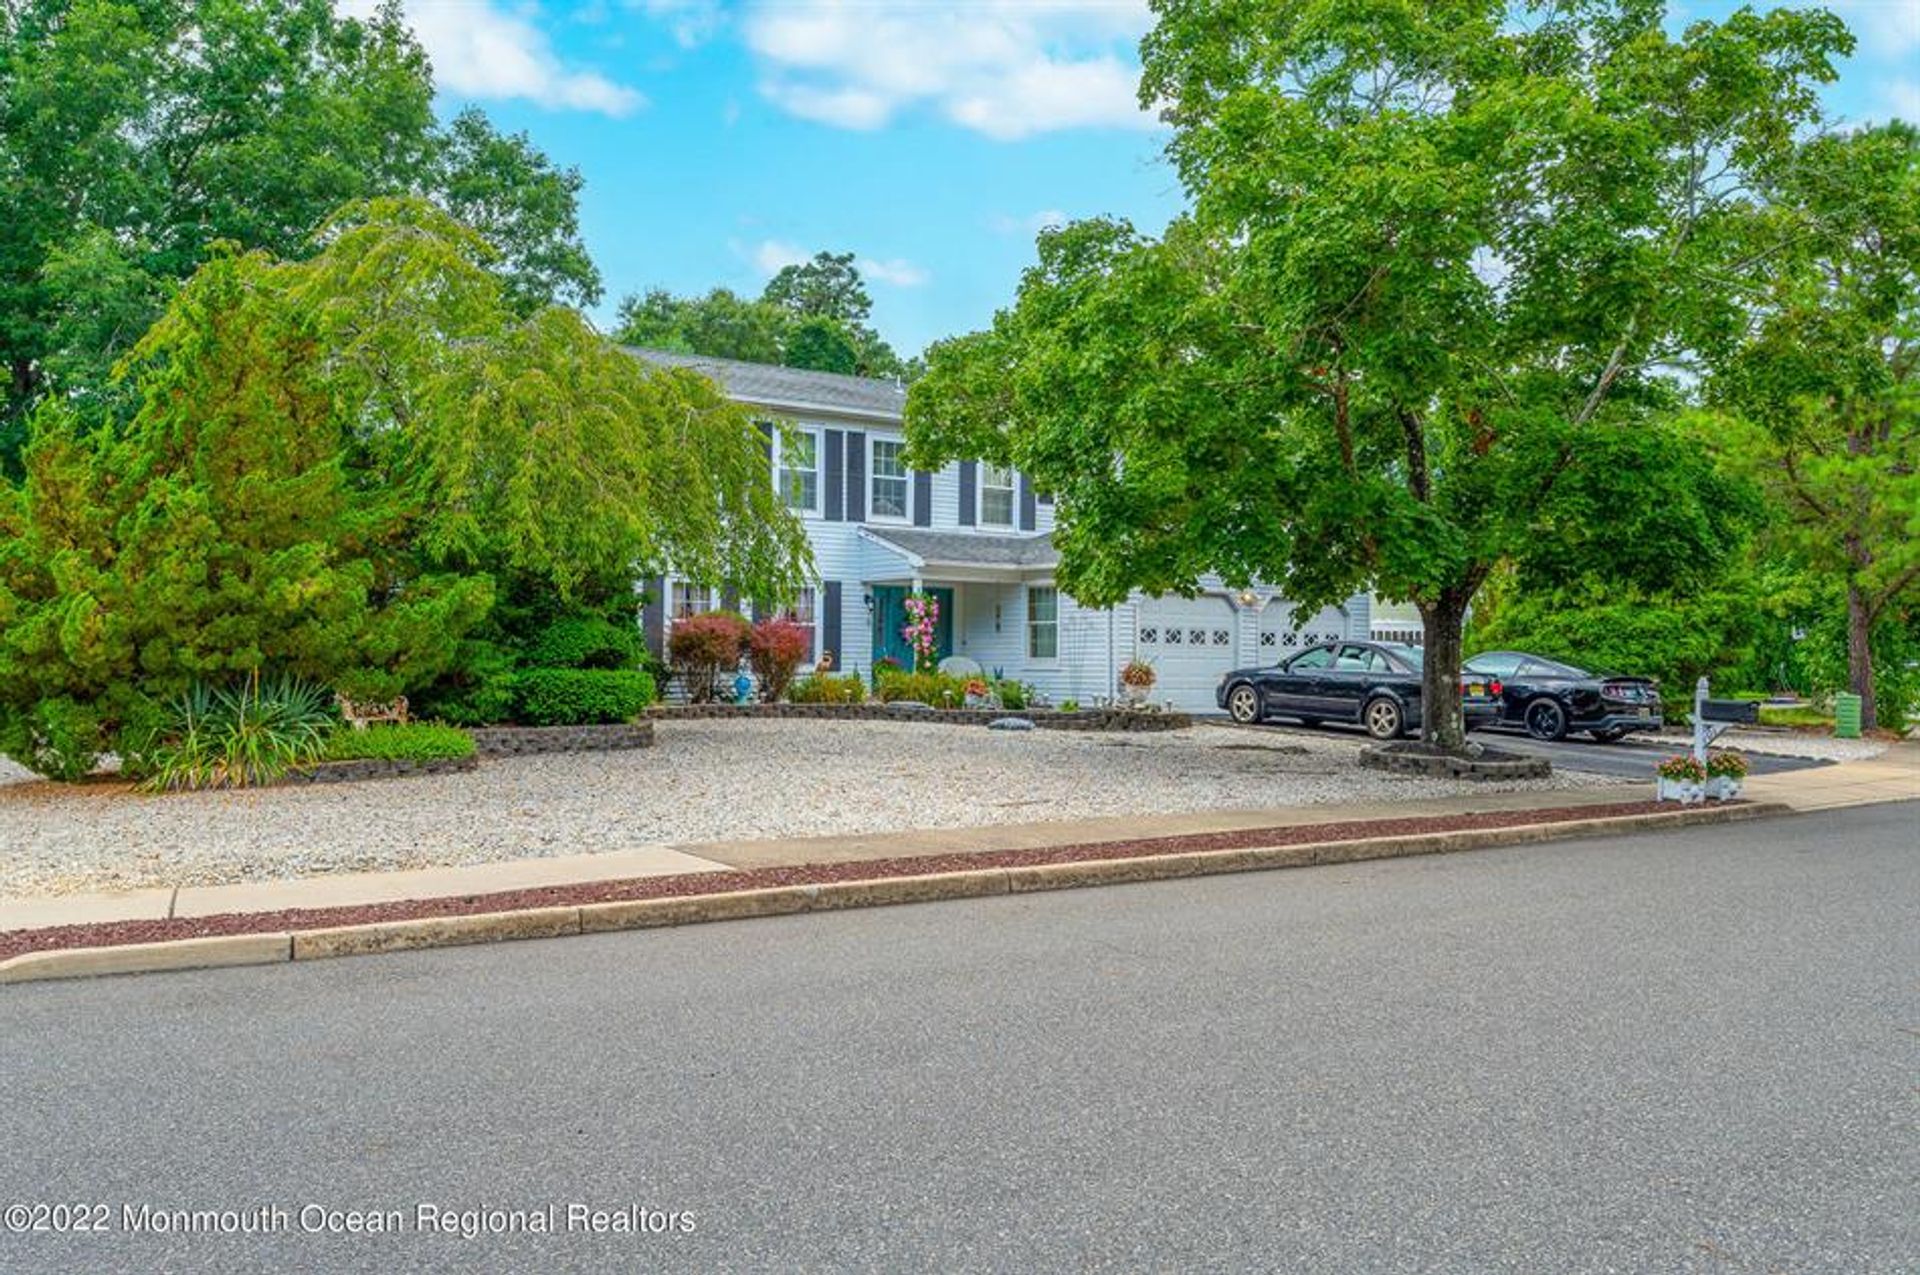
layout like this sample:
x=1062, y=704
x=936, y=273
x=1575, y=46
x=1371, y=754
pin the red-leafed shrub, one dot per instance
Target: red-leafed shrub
x=776, y=649
x=704, y=650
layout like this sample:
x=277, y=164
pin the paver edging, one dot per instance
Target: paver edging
x=593, y=918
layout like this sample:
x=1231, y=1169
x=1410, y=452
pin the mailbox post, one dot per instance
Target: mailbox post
x=1713, y=718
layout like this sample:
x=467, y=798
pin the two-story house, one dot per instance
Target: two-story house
x=978, y=538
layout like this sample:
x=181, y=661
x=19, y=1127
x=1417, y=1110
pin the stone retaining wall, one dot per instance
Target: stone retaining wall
x=1042, y=718
x=1413, y=759
x=340, y=772
x=525, y=741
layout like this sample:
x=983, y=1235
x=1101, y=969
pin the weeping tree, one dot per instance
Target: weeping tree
x=331, y=463
x=1419, y=317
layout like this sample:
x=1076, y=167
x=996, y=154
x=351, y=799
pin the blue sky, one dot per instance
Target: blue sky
x=720, y=140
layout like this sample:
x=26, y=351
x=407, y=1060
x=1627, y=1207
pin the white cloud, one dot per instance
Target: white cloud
x=1887, y=28
x=772, y=256
x=1905, y=98
x=481, y=51
x=1031, y=224
x=692, y=22
x=1005, y=68
x=896, y=271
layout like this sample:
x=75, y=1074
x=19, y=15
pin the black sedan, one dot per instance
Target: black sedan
x=1550, y=699
x=1374, y=684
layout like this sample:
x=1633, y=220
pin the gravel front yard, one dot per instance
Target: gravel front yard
x=705, y=781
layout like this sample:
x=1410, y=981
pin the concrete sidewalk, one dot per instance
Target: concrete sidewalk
x=1893, y=776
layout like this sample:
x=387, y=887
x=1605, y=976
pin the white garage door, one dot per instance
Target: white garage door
x=1190, y=643
x=1279, y=639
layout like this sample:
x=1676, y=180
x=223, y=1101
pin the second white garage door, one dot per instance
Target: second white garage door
x=1190, y=642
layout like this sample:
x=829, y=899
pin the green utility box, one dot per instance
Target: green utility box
x=1846, y=716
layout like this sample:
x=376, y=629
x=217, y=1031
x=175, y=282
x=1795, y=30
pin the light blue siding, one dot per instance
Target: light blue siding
x=991, y=614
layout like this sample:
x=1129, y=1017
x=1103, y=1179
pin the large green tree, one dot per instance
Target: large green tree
x=812, y=315
x=332, y=465
x=1436, y=260
x=136, y=133
x=1823, y=390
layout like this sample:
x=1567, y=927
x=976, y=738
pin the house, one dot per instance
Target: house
x=979, y=539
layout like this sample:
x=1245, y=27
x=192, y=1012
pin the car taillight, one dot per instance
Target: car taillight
x=1495, y=688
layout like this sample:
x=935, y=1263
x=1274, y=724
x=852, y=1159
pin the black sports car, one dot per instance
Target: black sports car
x=1550, y=699
x=1376, y=684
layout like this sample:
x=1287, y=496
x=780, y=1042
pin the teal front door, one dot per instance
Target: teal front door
x=890, y=617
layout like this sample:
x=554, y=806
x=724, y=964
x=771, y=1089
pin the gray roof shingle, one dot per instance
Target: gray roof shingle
x=955, y=548
x=788, y=387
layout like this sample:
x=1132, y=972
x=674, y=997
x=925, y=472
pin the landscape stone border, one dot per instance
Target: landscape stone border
x=1407, y=757
x=527, y=741
x=341, y=772
x=1106, y=719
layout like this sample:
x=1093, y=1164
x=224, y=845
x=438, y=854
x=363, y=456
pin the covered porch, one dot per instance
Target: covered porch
x=983, y=586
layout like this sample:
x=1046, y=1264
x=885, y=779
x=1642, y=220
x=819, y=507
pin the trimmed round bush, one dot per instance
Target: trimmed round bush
x=775, y=648
x=705, y=649
x=578, y=697
x=586, y=641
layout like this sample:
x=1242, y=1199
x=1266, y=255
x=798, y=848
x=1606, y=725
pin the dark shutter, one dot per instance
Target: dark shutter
x=1029, y=510
x=856, y=476
x=830, y=622
x=969, y=504
x=729, y=599
x=766, y=439
x=653, y=617
x=830, y=478
x=922, y=498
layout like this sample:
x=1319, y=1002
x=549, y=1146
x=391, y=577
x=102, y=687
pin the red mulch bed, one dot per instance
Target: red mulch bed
x=15, y=942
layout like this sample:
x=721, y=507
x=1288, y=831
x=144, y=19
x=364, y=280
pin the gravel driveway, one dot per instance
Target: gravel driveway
x=705, y=781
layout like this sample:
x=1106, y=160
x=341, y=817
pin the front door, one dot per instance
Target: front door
x=890, y=617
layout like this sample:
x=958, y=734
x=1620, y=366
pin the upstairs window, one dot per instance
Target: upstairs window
x=996, y=496
x=891, y=482
x=1043, y=623
x=798, y=473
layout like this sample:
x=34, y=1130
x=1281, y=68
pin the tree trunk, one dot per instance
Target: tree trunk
x=1860, y=654
x=1444, y=622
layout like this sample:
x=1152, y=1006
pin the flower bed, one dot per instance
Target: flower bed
x=339, y=772
x=1411, y=757
x=1113, y=719
x=527, y=741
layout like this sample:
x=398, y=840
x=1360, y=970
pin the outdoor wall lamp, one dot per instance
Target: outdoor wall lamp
x=1248, y=597
x=867, y=598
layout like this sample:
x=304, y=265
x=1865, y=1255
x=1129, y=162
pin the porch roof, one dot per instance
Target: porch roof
x=947, y=550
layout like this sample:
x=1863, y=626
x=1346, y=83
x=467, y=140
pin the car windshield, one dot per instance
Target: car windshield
x=1407, y=655
x=1554, y=667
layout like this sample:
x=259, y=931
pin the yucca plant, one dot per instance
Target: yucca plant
x=243, y=736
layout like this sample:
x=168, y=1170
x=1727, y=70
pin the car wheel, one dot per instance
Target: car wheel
x=1546, y=720
x=1243, y=704
x=1382, y=718
x=1608, y=736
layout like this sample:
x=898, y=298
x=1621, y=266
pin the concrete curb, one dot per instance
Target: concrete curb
x=635, y=914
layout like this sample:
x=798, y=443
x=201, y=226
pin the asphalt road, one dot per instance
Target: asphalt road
x=1690, y=1052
